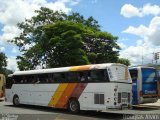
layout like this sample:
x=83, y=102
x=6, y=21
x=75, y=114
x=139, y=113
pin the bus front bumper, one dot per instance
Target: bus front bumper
x=148, y=100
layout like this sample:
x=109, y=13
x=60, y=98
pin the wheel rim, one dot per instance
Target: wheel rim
x=16, y=100
x=73, y=106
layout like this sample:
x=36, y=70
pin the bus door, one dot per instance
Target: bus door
x=134, y=76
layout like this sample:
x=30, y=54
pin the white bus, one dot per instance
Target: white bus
x=89, y=87
x=2, y=85
x=144, y=84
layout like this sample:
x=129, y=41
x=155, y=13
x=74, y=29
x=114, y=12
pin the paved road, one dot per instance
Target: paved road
x=24, y=112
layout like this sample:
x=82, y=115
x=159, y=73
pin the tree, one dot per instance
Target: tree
x=90, y=22
x=3, y=63
x=99, y=47
x=54, y=39
x=124, y=61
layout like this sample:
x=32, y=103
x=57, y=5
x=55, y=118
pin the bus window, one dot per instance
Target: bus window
x=134, y=74
x=28, y=79
x=23, y=80
x=83, y=76
x=17, y=79
x=9, y=82
x=98, y=75
x=20, y=80
x=32, y=79
x=45, y=78
x=50, y=78
x=37, y=79
x=72, y=76
x=59, y=77
x=42, y=78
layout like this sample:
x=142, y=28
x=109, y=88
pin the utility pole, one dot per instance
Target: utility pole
x=153, y=58
x=156, y=56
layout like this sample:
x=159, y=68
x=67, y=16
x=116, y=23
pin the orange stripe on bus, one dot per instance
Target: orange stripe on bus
x=79, y=68
x=74, y=68
x=78, y=90
x=66, y=95
x=57, y=94
x=86, y=67
x=66, y=90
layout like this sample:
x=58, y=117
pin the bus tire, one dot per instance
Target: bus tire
x=73, y=106
x=16, y=101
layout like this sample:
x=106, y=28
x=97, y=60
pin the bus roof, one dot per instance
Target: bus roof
x=66, y=69
x=138, y=67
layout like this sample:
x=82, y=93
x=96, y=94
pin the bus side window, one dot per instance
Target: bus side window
x=134, y=74
x=42, y=78
x=83, y=76
x=30, y=79
x=37, y=80
x=16, y=79
x=23, y=80
x=98, y=75
x=59, y=77
x=50, y=78
x=72, y=76
x=9, y=82
x=63, y=77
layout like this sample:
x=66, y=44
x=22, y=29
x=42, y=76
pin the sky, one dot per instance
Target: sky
x=135, y=22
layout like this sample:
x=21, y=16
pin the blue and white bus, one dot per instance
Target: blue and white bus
x=144, y=85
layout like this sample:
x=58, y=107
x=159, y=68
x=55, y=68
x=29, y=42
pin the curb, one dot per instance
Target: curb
x=146, y=106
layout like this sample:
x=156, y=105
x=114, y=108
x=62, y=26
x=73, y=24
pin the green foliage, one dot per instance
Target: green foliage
x=54, y=39
x=64, y=44
x=3, y=63
x=99, y=47
x=124, y=61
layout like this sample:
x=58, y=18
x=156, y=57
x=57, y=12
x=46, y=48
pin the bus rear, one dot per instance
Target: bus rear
x=121, y=86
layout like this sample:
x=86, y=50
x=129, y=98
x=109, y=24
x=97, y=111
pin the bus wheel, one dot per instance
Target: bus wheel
x=16, y=100
x=73, y=106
